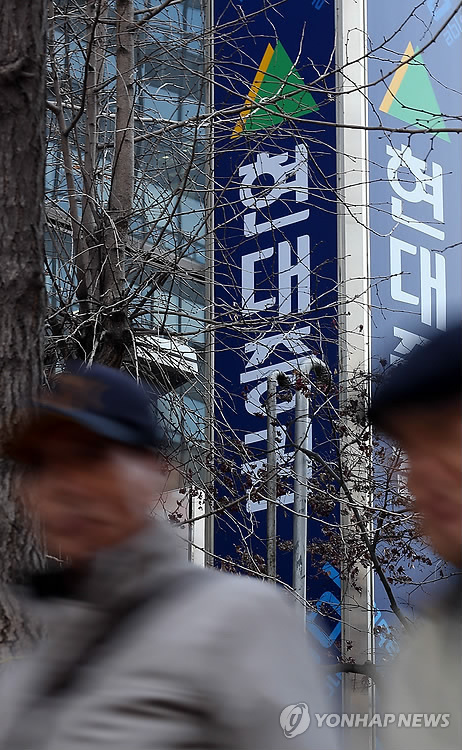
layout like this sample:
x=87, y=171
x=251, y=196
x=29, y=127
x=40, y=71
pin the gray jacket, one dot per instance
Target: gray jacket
x=154, y=654
x=424, y=685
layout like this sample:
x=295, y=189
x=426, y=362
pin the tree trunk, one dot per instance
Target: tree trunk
x=79, y=255
x=116, y=337
x=90, y=248
x=22, y=289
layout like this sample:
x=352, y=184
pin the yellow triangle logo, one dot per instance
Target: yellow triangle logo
x=277, y=92
x=253, y=91
x=410, y=96
x=397, y=79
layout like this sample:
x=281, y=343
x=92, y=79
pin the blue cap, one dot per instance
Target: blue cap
x=429, y=376
x=105, y=401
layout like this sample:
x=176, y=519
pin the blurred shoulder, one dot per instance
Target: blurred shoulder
x=241, y=586
x=243, y=596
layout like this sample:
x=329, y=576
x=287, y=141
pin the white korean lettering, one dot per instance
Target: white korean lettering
x=263, y=348
x=286, y=176
x=420, y=226
x=407, y=342
x=437, y=282
x=397, y=247
x=300, y=272
x=263, y=372
x=424, y=187
x=256, y=437
x=249, y=304
x=270, y=179
x=254, y=404
x=251, y=227
x=254, y=468
x=417, y=188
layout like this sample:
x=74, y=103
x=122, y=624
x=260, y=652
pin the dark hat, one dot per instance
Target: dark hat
x=105, y=401
x=429, y=376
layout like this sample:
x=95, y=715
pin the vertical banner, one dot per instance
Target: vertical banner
x=275, y=270
x=415, y=84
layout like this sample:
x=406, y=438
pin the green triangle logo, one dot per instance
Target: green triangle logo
x=410, y=96
x=278, y=81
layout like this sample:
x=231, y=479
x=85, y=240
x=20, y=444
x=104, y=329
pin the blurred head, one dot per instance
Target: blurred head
x=92, y=452
x=432, y=441
x=420, y=405
x=89, y=492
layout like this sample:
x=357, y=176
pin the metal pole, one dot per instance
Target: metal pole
x=302, y=444
x=301, y=438
x=354, y=322
x=271, y=475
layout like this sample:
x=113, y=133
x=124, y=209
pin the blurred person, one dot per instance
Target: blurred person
x=144, y=651
x=420, y=406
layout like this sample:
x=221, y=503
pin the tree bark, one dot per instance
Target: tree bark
x=22, y=288
x=90, y=250
x=117, y=337
x=81, y=291
x=123, y=170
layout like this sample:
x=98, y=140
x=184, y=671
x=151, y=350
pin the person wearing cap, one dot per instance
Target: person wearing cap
x=420, y=406
x=144, y=651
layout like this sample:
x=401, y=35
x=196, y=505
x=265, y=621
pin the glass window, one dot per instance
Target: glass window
x=60, y=272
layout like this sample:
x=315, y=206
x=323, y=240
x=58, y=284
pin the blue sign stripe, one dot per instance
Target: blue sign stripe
x=415, y=191
x=275, y=253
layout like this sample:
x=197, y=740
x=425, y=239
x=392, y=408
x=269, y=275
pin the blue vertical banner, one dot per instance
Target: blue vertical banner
x=275, y=268
x=415, y=179
x=415, y=84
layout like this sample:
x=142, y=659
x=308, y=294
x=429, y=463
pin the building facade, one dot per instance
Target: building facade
x=164, y=255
